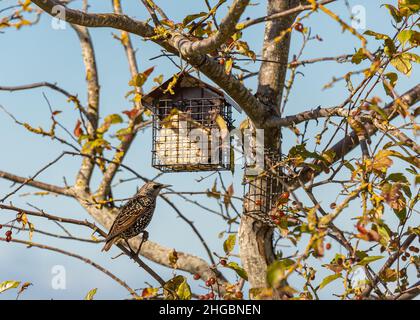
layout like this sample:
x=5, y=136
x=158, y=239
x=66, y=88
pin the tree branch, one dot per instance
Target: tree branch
x=293, y=11
x=227, y=28
x=210, y=67
x=366, y=292
x=74, y=255
x=350, y=141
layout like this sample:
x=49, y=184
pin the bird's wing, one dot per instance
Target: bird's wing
x=129, y=213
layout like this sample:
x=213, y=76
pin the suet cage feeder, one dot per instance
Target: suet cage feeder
x=191, y=124
x=262, y=191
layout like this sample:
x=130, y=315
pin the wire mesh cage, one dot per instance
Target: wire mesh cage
x=191, y=134
x=262, y=191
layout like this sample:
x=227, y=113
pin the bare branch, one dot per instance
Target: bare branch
x=33, y=183
x=293, y=11
x=74, y=255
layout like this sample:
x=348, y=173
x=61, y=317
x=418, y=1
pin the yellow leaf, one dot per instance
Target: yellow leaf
x=91, y=294
x=6, y=285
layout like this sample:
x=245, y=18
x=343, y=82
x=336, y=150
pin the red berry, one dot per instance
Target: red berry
x=8, y=238
x=208, y=284
x=223, y=262
x=285, y=195
x=8, y=233
x=211, y=295
x=299, y=27
x=239, y=295
x=196, y=276
x=212, y=281
x=1, y=226
x=201, y=297
x=328, y=246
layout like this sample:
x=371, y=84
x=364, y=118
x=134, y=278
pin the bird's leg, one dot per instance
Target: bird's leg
x=129, y=247
x=144, y=238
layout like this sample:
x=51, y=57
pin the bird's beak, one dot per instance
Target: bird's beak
x=163, y=186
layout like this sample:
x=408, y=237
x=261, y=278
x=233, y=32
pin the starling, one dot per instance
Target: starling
x=135, y=215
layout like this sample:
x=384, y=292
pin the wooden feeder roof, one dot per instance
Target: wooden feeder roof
x=185, y=81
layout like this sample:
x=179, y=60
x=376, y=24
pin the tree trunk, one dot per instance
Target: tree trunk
x=255, y=239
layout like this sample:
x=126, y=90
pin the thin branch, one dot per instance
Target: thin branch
x=366, y=292
x=70, y=254
x=298, y=9
x=30, y=181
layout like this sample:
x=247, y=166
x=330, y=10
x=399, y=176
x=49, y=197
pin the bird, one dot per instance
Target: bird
x=135, y=215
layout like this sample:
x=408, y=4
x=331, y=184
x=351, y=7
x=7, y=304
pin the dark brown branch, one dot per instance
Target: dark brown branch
x=350, y=141
x=93, y=227
x=389, y=263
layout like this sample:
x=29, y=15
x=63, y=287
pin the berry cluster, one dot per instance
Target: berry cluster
x=276, y=214
x=211, y=282
x=8, y=234
x=407, y=254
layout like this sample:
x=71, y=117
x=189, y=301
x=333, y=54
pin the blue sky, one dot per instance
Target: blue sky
x=41, y=53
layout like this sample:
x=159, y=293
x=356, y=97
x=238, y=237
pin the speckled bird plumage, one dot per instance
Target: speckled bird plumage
x=135, y=215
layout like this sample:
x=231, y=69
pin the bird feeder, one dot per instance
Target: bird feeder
x=191, y=124
x=262, y=191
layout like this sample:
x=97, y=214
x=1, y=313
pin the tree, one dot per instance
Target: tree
x=215, y=48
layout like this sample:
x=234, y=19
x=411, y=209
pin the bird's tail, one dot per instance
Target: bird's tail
x=109, y=244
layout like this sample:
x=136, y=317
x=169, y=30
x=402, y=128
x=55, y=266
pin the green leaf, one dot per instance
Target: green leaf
x=394, y=12
x=10, y=284
x=366, y=260
x=184, y=290
x=277, y=270
x=229, y=243
x=179, y=286
x=113, y=119
x=405, y=36
x=239, y=271
x=192, y=17
x=139, y=79
x=359, y=56
x=240, y=26
x=397, y=177
x=403, y=64
x=328, y=280
x=378, y=36
x=91, y=294
x=389, y=275
x=392, y=77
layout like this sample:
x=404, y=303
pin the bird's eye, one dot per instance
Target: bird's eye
x=156, y=186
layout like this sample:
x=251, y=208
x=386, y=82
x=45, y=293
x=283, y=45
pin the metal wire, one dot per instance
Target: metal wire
x=185, y=135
